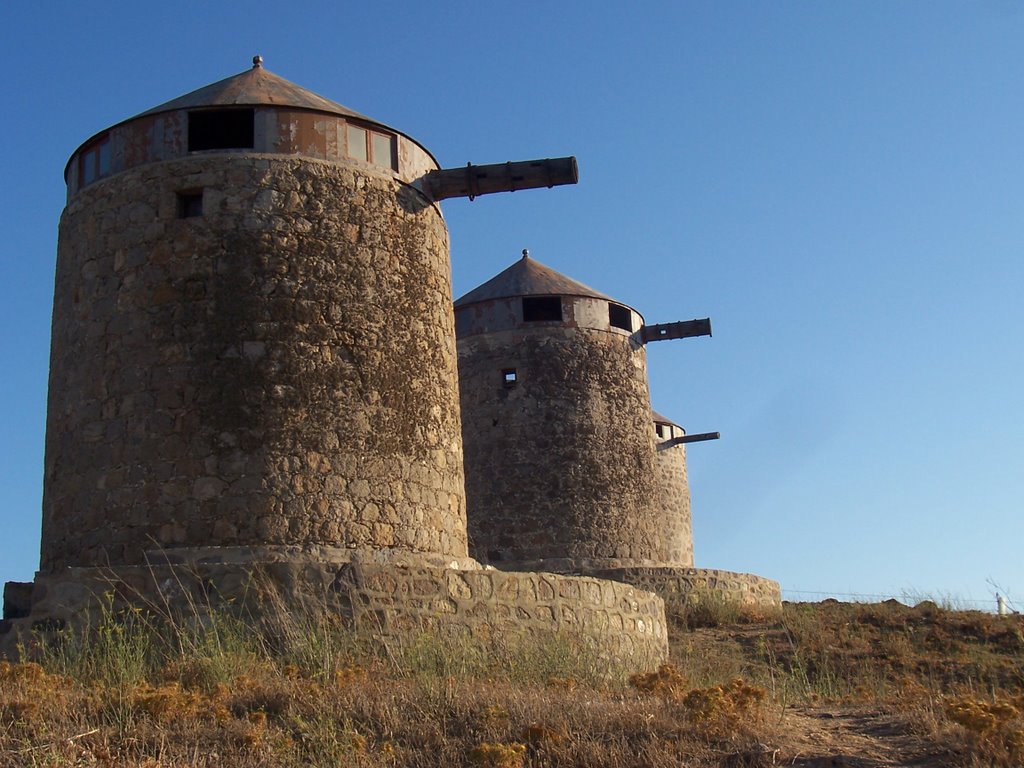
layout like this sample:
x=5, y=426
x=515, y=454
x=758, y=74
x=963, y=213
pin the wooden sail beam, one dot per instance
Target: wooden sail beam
x=681, y=330
x=475, y=180
x=695, y=438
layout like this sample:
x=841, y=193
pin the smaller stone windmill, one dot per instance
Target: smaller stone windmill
x=253, y=374
x=567, y=467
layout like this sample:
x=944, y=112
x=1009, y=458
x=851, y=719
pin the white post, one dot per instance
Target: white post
x=1001, y=605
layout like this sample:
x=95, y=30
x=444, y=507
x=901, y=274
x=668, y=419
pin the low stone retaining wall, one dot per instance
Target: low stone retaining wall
x=618, y=622
x=690, y=585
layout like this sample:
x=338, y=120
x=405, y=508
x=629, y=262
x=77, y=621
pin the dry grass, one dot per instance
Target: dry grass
x=953, y=677
x=219, y=693
x=376, y=717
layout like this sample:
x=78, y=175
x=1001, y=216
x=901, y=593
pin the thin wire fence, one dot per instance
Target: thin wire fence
x=953, y=602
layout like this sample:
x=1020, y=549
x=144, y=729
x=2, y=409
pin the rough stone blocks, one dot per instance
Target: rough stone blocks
x=279, y=370
x=623, y=625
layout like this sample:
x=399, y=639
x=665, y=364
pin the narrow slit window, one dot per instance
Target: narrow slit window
x=542, y=308
x=509, y=377
x=221, y=129
x=190, y=204
x=620, y=317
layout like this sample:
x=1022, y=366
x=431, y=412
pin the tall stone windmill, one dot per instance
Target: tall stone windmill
x=253, y=368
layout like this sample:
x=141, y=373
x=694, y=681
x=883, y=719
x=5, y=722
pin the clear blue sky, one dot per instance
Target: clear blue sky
x=838, y=185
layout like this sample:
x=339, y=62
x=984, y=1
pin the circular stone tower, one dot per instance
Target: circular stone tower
x=559, y=446
x=253, y=341
x=673, y=489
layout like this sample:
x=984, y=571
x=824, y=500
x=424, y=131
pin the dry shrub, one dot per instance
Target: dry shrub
x=190, y=672
x=257, y=727
x=720, y=711
x=666, y=682
x=497, y=755
x=31, y=677
x=249, y=732
x=566, y=683
x=266, y=692
x=350, y=675
x=28, y=692
x=169, y=703
x=994, y=729
x=540, y=736
x=496, y=715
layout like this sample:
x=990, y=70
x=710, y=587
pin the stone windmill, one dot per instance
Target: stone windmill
x=568, y=469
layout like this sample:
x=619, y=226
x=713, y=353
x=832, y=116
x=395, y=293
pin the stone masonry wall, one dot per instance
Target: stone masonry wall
x=560, y=466
x=279, y=370
x=674, y=502
x=623, y=625
x=691, y=585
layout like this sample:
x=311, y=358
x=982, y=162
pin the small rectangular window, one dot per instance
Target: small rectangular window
x=89, y=167
x=190, y=204
x=660, y=430
x=357, y=143
x=381, y=150
x=370, y=146
x=103, y=161
x=221, y=129
x=541, y=308
x=94, y=162
x=620, y=317
x=509, y=377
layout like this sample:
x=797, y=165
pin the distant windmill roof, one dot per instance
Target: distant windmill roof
x=528, y=277
x=254, y=87
x=659, y=419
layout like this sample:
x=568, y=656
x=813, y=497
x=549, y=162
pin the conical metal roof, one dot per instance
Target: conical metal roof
x=528, y=277
x=252, y=88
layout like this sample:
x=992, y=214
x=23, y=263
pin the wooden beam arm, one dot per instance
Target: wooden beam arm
x=474, y=180
x=682, y=330
x=695, y=438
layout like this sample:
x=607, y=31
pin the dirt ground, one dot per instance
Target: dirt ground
x=845, y=737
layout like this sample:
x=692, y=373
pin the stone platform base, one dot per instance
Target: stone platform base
x=386, y=597
x=691, y=585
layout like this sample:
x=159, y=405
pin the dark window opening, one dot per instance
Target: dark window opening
x=494, y=555
x=94, y=162
x=221, y=129
x=190, y=204
x=660, y=429
x=620, y=317
x=541, y=308
x=509, y=377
